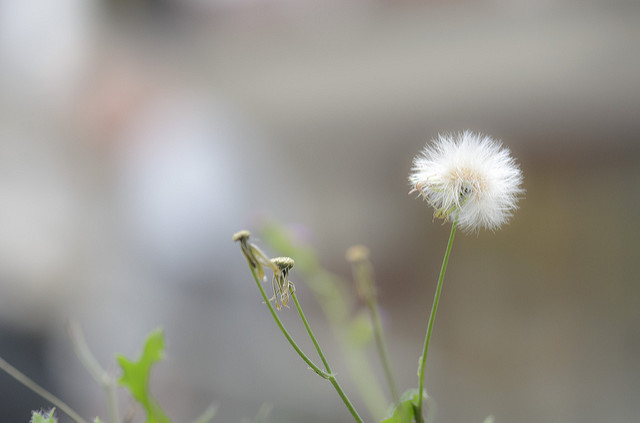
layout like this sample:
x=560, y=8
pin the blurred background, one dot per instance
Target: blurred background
x=137, y=136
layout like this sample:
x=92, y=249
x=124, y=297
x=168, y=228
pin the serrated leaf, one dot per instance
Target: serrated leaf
x=136, y=374
x=43, y=417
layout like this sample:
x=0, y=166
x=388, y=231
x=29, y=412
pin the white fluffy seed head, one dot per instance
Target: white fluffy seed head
x=470, y=176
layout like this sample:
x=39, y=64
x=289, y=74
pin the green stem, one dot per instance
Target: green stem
x=26, y=381
x=90, y=363
x=295, y=346
x=207, y=415
x=310, y=332
x=382, y=351
x=332, y=377
x=345, y=399
x=432, y=318
x=329, y=291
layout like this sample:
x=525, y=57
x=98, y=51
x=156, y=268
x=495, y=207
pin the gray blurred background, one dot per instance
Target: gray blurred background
x=137, y=136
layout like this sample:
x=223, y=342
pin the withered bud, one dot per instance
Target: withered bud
x=241, y=236
x=357, y=253
x=283, y=263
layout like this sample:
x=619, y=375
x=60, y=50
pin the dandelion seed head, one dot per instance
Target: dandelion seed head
x=469, y=176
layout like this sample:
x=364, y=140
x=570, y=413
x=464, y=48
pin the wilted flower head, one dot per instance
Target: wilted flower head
x=281, y=282
x=358, y=256
x=470, y=177
x=254, y=255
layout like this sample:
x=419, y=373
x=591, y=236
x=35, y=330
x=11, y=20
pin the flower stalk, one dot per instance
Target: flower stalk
x=284, y=331
x=329, y=291
x=383, y=353
x=332, y=377
x=358, y=255
x=432, y=318
x=472, y=181
x=39, y=390
x=283, y=290
x=101, y=376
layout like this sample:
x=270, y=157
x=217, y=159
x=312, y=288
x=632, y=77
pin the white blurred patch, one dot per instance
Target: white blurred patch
x=176, y=181
x=39, y=217
x=43, y=48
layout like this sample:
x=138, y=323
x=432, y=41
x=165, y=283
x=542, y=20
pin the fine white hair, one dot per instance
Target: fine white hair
x=469, y=177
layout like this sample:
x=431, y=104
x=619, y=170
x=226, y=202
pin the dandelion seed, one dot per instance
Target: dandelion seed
x=470, y=177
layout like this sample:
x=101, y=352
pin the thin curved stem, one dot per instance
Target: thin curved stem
x=26, y=381
x=310, y=332
x=295, y=346
x=332, y=377
x=345, y=399
x=382, y=352
x=432, y=318
x=101, y=376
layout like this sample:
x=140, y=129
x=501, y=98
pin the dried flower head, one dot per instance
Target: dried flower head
x=468, y=177
x=358, y=256
x=281, y=283
x=357, y=253
x=254, y=255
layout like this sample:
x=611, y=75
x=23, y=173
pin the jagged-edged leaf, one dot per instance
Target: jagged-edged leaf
x=43, y=416
x=136, y=374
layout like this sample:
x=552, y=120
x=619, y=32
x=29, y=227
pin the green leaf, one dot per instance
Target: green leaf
x=361, y=329
x=489, y=419
x=136, y=374
x=97, y=420
x=43, y=417
x=404, y=411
